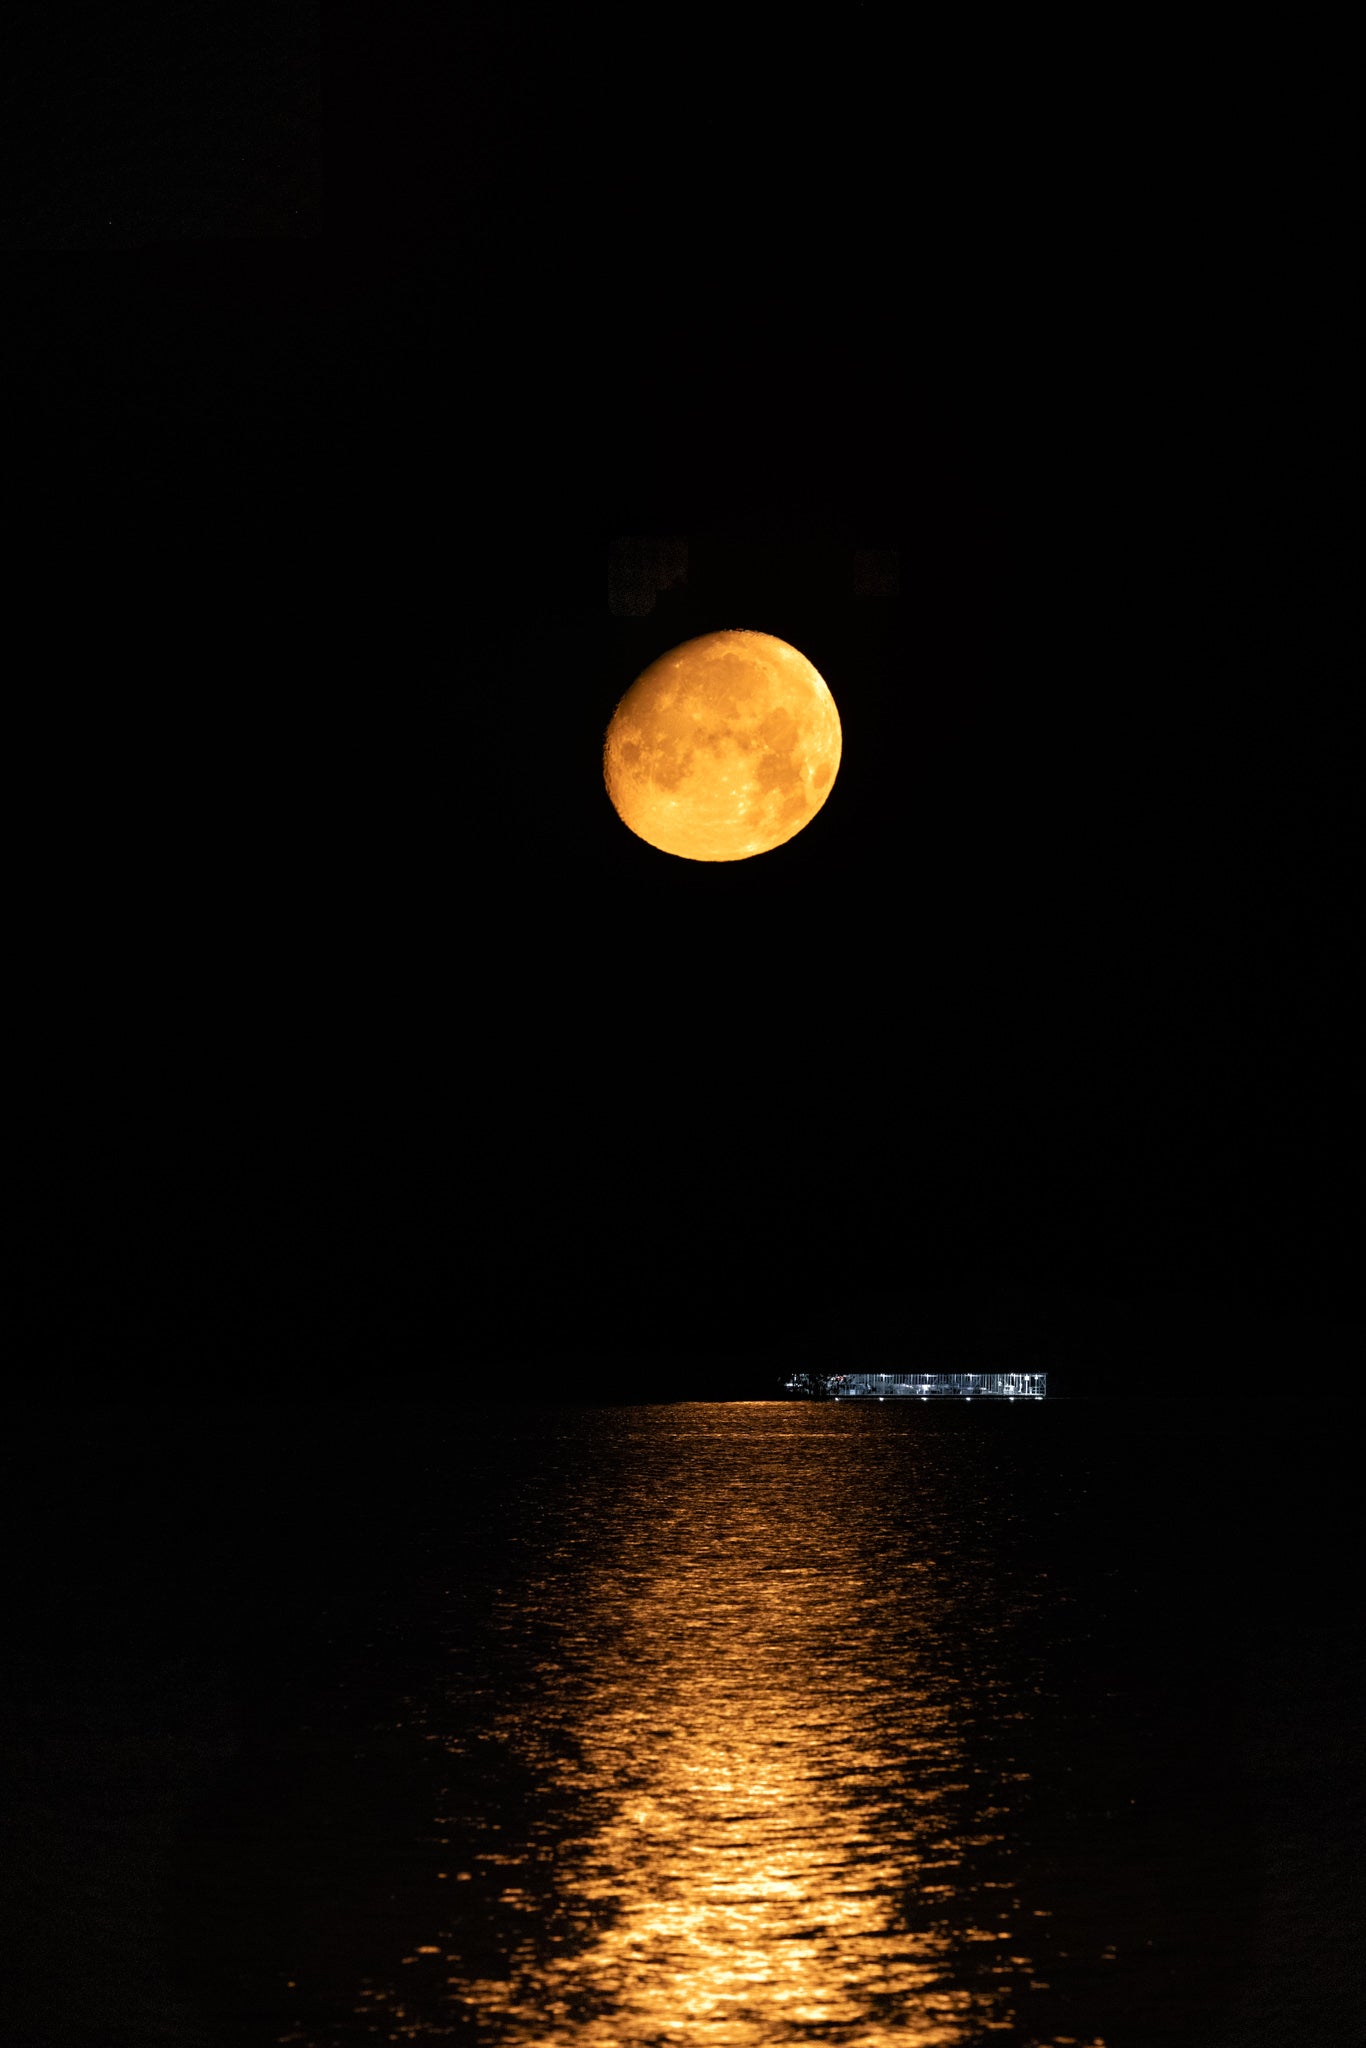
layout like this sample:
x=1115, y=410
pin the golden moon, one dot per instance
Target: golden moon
x=723, y=748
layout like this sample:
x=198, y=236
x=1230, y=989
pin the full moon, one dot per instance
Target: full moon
x=723, y=748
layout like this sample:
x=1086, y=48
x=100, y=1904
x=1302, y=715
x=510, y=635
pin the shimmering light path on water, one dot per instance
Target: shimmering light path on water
x=750, y=1725
x=769, y=1729
x=758, y=1675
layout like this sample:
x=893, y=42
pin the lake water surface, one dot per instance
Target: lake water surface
x=751, y=1724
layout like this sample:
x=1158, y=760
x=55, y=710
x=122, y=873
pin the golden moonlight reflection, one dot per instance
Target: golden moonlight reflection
x=754, y=1819
x=748, y=1863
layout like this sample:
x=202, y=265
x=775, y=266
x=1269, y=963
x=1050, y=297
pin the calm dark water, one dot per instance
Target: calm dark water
x=738, y=1724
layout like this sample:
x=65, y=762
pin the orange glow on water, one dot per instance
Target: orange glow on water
x=759, y=1895
x=742, y=1886
x=759, y=1814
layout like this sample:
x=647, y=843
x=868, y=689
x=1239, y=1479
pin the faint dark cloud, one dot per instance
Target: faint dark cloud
x=639, y=567
x=877, y=572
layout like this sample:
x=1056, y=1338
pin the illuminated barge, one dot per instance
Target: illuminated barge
x=922, y=1386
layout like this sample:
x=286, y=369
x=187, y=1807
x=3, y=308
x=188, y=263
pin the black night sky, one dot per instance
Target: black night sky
x=364, y=1047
